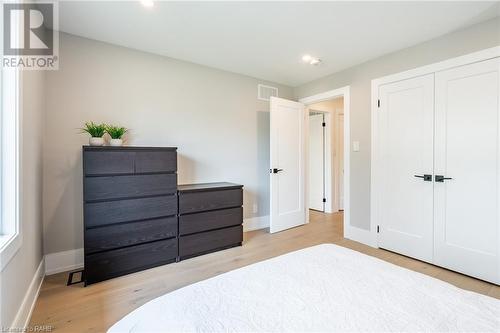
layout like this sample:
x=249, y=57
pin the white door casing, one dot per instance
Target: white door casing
x=287, y=150
x=405, y=120
x=340, y=157
x=316, y=168
x=466, y=207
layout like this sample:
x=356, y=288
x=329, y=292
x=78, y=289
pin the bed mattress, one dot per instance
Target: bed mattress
x=321, y=288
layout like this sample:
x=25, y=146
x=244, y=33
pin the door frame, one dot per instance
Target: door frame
x=338, y=173
x=327, y=207
x=331, y=164
x=344, y=92
x=376, y=188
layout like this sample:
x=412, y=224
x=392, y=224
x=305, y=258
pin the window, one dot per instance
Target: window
x=9, y=165
x=10, y=228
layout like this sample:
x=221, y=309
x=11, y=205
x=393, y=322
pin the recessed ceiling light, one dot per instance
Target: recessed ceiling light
x=315, y=62
x=147, y=3
x=306, y=58
x=311, y=60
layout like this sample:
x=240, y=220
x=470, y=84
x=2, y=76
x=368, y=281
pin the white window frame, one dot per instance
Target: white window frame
x=10, y=228
x=10, y=166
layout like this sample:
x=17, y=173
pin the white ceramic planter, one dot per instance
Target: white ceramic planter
x=96, y=141
x=116, y=142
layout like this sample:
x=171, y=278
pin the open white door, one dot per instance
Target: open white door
x=287, y=164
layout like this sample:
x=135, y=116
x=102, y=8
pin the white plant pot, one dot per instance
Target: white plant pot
x=96, y=141
x=116, y=142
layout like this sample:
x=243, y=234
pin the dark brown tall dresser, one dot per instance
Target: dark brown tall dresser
x=130, y=210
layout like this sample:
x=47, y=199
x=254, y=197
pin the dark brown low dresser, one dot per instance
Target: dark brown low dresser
x=136, y=216
x=210, y=218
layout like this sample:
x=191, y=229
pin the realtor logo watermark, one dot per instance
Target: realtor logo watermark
x=30, y=35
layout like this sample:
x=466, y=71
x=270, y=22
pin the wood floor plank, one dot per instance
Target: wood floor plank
x=97, y=307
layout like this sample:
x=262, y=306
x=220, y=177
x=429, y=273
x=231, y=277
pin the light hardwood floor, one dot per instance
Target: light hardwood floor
x=97, y=307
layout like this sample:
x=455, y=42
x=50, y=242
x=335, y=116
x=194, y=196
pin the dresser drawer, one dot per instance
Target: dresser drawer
x=205, y=242
x=191, y=223
x=106, y=265
x=126, y=234
x=192, y=202
x=108, y=162
x=155, y=161
x=104, y=213
x=116, y=187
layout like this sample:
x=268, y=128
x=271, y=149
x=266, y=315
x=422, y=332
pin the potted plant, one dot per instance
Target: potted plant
x=96, y=132
x=116, y=133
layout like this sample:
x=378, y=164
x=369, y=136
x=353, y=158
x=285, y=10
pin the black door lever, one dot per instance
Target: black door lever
x=441, y=179
x=426, y=178
x=276, y=170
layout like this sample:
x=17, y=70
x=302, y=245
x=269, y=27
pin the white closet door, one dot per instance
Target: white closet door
x=466, y=208
x=406, y=146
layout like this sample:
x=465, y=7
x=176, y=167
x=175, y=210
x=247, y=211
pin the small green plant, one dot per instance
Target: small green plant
x=116, y=132
x=95, y=130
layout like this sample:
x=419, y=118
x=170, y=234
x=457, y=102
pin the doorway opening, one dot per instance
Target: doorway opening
x=289, y=157
x=335, y=106
x=326, y=155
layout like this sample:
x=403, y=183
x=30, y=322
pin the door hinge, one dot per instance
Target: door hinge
x=378, y=103
x=324, y=199
x=378, y=229
x=324, y=124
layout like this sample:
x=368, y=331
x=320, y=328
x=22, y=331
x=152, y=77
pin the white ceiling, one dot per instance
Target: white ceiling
x=266, y=40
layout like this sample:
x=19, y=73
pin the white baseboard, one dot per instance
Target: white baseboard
x=63, y=261
x=23, y=315
x=360, y=235
x=73, y=259
x=256, y=223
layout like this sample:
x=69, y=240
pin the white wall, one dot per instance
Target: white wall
x=213, y=117
x=17, y=277
x=458, y=43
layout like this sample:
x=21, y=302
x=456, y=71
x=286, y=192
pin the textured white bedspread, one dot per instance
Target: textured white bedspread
x=321, y=288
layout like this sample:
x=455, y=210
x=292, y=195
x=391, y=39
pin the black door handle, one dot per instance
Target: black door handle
x=426, y=178
x=441, y=179
x=276, y=170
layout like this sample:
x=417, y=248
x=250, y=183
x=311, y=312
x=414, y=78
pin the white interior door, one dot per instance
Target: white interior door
x=466, y=236
x=287, y=164
x=340, y=153
x=406, y=145
x=316, y=162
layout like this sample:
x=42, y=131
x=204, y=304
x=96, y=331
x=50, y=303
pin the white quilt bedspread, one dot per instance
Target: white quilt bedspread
x=321, y=288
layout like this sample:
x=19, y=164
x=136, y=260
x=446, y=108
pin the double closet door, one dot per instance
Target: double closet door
x=439, y=144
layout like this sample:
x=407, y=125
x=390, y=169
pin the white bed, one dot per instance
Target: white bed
x=321, y=288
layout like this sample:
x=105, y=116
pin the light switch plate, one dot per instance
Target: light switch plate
x=355, y=146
